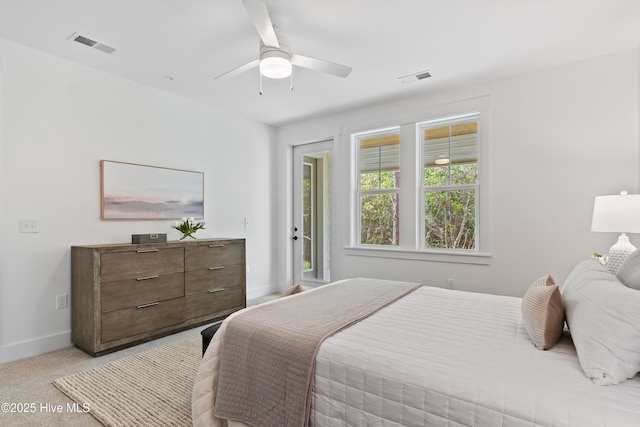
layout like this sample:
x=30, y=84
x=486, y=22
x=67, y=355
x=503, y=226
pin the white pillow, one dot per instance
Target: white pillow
x=604, y=319
x=629, y=271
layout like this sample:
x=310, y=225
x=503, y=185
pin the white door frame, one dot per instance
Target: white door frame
x=298, y=154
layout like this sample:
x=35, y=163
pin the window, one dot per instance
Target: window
x=450, y=182
x=416, y=191
x=308, y=213
x=378, y=188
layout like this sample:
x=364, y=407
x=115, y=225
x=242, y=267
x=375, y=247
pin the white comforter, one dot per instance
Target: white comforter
x=440, y=357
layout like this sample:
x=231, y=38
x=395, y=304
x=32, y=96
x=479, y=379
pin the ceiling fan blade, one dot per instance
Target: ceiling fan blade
x=321, y=65
x=260, y=16
x=239, y=70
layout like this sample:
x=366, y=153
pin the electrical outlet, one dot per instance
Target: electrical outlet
x=62, y=301
x=450, y=283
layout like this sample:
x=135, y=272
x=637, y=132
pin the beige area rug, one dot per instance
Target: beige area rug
x=151, y=388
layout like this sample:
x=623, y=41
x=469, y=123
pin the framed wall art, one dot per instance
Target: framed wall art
x=132, y=191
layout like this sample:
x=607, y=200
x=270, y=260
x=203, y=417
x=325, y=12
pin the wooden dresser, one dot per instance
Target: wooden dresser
x=123, y=294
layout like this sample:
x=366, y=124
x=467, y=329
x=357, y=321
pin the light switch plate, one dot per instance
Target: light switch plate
x=29, y=226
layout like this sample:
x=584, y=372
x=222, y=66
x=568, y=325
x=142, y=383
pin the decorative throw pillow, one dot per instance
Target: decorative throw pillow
x=296, y=289
x=543, y=313
x=603, y=318
x=629, y=271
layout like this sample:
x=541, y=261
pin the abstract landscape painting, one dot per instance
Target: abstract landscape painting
x=132, y=191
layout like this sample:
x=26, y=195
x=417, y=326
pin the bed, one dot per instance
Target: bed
x=435, y=357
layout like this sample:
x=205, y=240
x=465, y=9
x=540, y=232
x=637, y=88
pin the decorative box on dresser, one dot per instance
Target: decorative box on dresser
x=123, y=294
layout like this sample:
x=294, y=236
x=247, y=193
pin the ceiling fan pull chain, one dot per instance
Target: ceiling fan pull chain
x=260, y=83
x=291, y=86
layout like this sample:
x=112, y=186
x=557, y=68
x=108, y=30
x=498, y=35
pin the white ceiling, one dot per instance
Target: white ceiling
x=180, y=45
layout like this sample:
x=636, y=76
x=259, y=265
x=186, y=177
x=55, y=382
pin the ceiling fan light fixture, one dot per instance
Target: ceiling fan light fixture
x=275, y=65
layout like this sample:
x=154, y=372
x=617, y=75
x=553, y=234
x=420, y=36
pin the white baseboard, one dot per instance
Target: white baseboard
x=34, y=347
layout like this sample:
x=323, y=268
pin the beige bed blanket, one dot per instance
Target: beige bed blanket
x=266, y=374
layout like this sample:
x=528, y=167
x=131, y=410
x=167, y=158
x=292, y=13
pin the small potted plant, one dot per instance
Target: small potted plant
x=188, y=227
x=601, y=258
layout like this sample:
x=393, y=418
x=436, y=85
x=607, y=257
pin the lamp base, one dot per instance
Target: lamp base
x=618, y=253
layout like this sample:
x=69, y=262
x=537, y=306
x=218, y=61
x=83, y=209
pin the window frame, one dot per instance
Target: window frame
x=312, y=214
x=356, y=138
x=411, y=195
x=420, y=128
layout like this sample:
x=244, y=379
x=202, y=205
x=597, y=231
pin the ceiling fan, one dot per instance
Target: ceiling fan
x=276, y=60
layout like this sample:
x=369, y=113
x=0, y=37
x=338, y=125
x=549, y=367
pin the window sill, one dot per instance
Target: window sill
x=433, y=256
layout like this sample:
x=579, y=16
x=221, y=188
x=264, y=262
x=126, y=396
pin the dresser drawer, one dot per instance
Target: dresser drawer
x=142, y=318
x=132, y=292
x=215, y=300
x=216, y=277
x=213, y=255
x=141, y=263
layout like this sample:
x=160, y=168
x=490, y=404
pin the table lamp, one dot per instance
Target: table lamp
x=617, y=214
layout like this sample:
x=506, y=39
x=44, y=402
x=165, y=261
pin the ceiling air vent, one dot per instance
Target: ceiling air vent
x=84, y=40
x=91, y=43
x=415, y=77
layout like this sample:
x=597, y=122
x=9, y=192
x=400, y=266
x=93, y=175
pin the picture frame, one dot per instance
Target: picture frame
x=135, y=191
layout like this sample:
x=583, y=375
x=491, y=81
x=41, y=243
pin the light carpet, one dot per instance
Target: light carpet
x=150, y=388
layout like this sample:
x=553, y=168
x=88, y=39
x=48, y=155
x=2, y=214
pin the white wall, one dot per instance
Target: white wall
x=59, y=119
x=558, y=138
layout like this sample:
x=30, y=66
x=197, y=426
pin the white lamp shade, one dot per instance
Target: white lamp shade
x=616, y=214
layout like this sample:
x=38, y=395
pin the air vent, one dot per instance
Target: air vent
x=91, y=43
x=84, y=40
x=415, y=77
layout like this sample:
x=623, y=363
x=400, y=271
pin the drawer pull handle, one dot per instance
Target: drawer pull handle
x=216, y=246
x=213, y=291
x=151, y=304
x=146, y=278
x=142, y=251
x=216, y=268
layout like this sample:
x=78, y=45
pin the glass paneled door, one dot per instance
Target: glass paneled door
x=311, y=207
